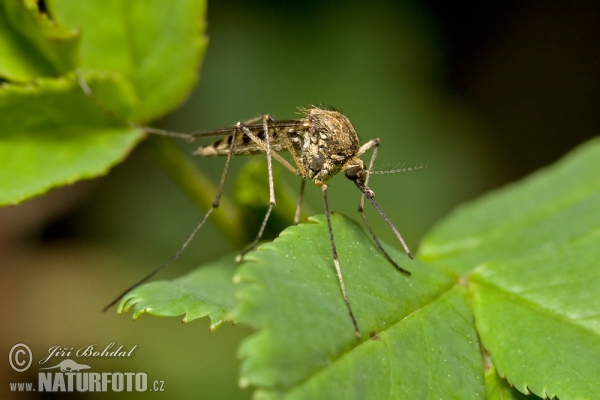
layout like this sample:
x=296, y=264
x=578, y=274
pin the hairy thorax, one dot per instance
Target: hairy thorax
x=328, y=144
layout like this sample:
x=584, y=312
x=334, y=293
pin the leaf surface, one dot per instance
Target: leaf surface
x=497, y=388
x=208, y=290
x=536, y=312
x=139, y=58
x=534, y=261
x=546, y=210
x=155, y=45
x=417, y=339
x=32, y=45
x=53, y=134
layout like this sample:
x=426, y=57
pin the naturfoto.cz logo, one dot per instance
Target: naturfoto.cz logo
x=70, y=376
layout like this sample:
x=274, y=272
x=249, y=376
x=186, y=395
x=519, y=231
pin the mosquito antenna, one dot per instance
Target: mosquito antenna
x=400, y=170
x=370, y=195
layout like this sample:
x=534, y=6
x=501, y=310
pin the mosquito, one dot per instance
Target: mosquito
x=322, y=144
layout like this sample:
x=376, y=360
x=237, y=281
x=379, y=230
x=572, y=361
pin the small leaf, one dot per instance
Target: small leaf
x=147, y=53
x=423, y=339
x=52, y=134
x=32, y=45
x=208, y=290
x=156, y=45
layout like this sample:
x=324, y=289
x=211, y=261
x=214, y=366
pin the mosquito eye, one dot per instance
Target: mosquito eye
x=353, y=172
x=362, y=176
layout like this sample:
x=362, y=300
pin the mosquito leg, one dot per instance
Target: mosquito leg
x=370, y=195
x=299, y=205
x=191, y=236
x=378, y=244
x=192, y=136
x=256, y=120
x=266, y=121
x=336, y=262
x=375, y=143
x=367, y=146
x=224, y=174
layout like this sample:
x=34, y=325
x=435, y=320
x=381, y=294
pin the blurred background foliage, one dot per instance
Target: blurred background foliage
x=481, y=94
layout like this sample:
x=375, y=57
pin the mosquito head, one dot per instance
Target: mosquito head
x=355, y=171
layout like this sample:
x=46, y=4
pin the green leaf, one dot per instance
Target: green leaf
x=53, y=134
x=156, y=45
x=208, y=290
x=547, y=210
x=423, y=337
x=540, y=319
x=497, y=388
x=147, y=53
x=535, y=304
x=32, y=45
x=533, y=249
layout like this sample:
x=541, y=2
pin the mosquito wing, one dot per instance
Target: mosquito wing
x=244, y=144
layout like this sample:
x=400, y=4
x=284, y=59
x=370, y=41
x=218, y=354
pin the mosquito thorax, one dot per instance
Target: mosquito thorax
x=328, y=143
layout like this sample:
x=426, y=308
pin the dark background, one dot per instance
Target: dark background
x=481, y=94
